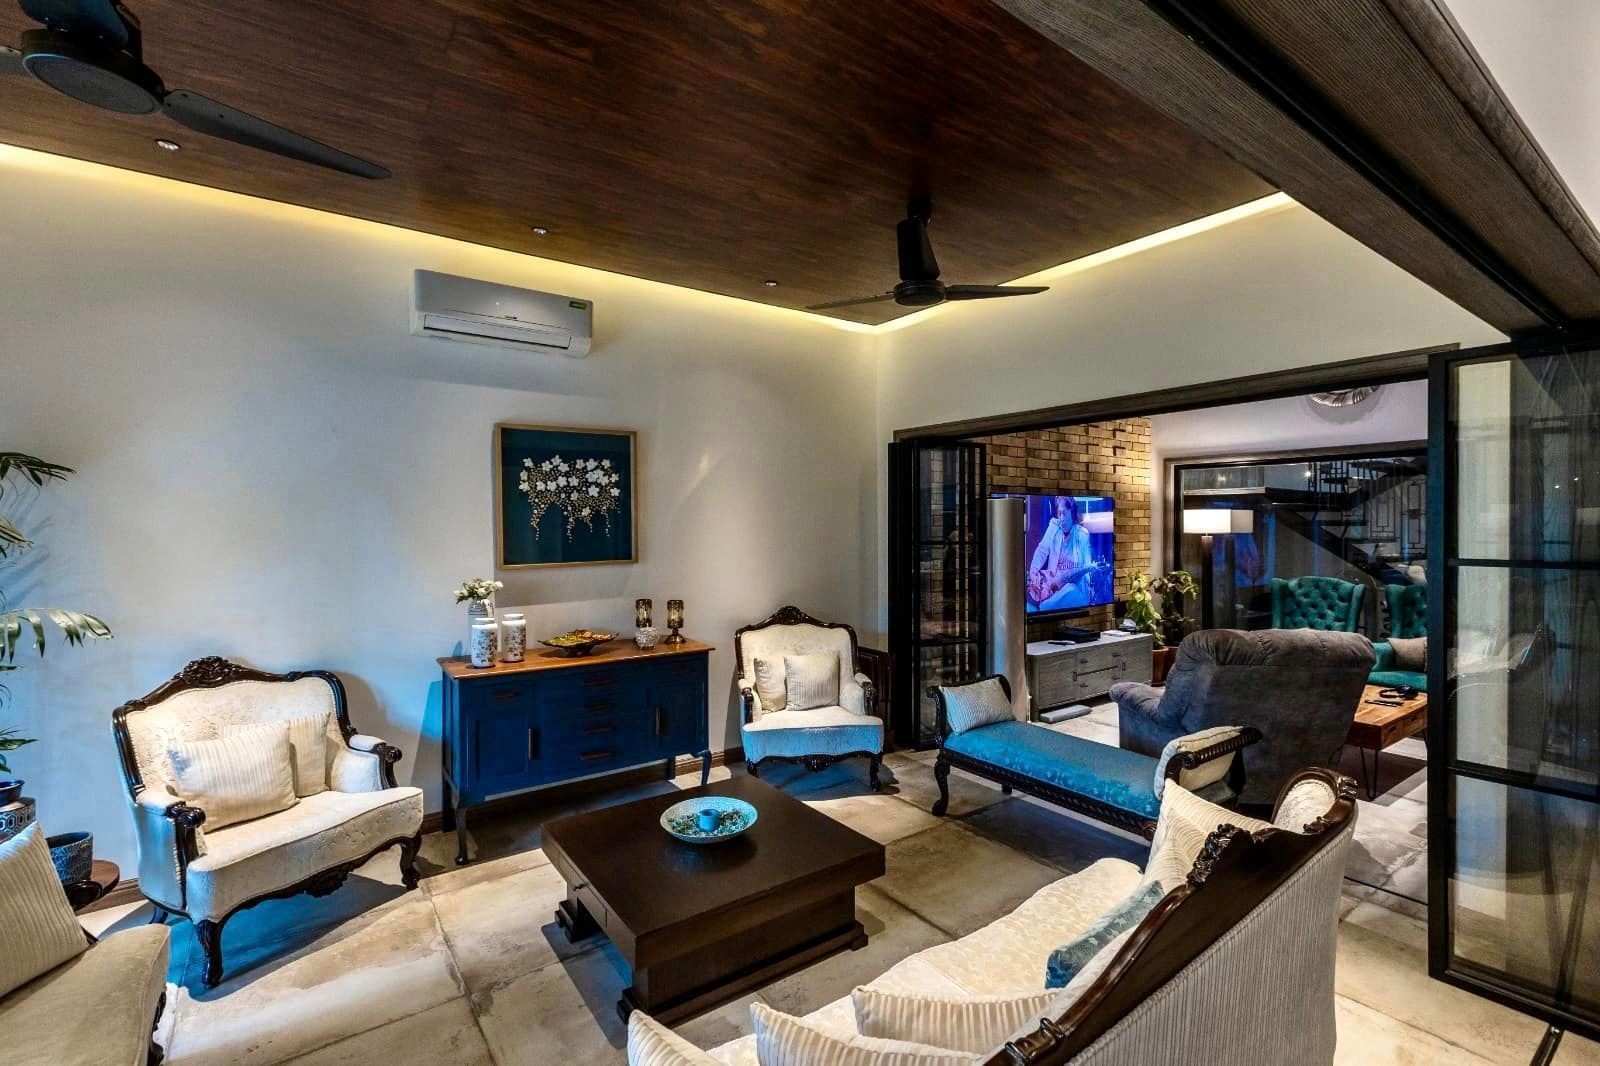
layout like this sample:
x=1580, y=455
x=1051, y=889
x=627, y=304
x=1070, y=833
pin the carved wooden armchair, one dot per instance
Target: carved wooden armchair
x=312, y=847
x=836, y=728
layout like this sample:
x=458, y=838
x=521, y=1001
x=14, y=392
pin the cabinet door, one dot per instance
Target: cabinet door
x=678, y=718
x=505, y=747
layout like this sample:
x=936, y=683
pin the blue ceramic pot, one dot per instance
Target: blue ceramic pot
x=10, y=792
x=73, y=855
x=16, y=817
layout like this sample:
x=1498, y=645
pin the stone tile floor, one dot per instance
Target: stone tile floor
x=472, y=970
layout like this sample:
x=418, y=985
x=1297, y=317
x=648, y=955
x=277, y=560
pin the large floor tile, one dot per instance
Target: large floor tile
x=893, y=932
x=1368, y=1037
x=957, y=879
x=915, y=783
x=882, y=817
x=391, y=965
x=564, y=1013
x=716, y=1027
x=1387, y=836
x=1576, y=1051
x=1383, y=965
x=454, y=878
x=1051, y=835
x=447, y=1033
x=504, y=928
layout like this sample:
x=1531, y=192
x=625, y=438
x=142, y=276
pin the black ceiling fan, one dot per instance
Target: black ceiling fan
x=919, y=271
x=91, y=50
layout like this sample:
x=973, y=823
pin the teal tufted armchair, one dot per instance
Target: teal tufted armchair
x=1408, y=618
x=1324, y=603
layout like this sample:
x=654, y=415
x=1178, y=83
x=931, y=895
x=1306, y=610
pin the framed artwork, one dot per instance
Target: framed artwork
x=564, y=496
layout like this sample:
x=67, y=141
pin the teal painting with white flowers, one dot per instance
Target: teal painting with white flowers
x=565, y=497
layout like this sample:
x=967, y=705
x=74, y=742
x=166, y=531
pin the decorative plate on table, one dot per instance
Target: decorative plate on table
x=728, y=817
x=578, y=641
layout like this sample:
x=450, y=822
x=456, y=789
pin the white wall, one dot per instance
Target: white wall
x=1542, y=54
x=270, y=468
x=1398, y=412
x=1276, y=290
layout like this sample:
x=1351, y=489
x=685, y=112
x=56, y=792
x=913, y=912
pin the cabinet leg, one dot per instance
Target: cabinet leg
x=672, y=767
x=705, y=766
x=447, y=817
x=459, y=816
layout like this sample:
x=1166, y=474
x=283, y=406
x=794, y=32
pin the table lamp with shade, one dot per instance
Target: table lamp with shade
x=1210, y=522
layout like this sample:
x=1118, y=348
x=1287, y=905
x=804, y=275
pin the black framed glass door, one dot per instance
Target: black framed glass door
x=937, y=546
x=1514, y=656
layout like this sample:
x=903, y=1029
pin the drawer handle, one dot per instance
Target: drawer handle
x=598, y=730
x=503, y=695
x=533, y=743
x=596, y=756
x=597, y=682
x=661, y=721
x=598, y=705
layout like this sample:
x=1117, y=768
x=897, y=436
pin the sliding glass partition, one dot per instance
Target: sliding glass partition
x=1357, y=515
x=1514, y=793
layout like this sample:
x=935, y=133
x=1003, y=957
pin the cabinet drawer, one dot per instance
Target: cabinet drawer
x=608, y=727
x=1093, y=660
x=494, y=695
x=578, y=683
x=678, y=668
x=595, y=755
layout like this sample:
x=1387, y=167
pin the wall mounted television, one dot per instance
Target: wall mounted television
x=1069, y=549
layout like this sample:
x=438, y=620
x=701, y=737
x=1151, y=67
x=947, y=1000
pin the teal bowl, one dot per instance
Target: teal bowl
x=708, y=819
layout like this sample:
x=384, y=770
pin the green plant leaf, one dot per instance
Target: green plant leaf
x=11, y=538
x=32, y=467
x=75, y=626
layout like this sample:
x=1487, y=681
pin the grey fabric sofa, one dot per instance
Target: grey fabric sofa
x=1300, y=687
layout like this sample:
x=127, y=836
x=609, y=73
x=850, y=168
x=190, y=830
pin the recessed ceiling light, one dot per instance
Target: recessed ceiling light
x=540, y=231
x=166, y=145
x=769, y=283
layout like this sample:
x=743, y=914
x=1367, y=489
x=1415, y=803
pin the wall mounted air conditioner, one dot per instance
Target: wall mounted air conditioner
x=480, y=312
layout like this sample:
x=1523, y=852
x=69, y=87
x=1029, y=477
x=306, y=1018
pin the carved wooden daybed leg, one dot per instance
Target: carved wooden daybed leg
x=872, y=773
x=408, y=860
x=209, y=934
x=941, y=774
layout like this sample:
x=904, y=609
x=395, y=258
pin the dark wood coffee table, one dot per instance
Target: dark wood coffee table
x=702, y=924
x=1377, y=725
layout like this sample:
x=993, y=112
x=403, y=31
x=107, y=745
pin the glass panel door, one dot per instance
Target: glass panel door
x=1514, y=747
x=936, y=579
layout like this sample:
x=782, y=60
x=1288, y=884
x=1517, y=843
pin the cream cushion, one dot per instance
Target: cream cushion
x=252, y=858
x=40, y=930
x=1185, y=822
x=245, y=773
x=113, y=987
x=810, y=681
x=652, y=1044
x=976, y=1024
x=308, y=748
x=770, y=684
x=782, y=1040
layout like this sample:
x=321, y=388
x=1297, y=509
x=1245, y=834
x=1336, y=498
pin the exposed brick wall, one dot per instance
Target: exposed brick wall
x=1098, y=459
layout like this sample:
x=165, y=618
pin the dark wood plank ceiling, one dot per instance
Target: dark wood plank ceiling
x=707, y=145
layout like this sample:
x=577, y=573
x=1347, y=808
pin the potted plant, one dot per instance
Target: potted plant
x=19, y=624
x=1169, y=624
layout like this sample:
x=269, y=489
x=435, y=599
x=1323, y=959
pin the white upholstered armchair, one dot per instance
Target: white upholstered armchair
x=804, y=700
x=336, y=821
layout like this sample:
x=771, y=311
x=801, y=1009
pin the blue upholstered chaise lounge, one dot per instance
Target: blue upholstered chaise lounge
x=1121, y=788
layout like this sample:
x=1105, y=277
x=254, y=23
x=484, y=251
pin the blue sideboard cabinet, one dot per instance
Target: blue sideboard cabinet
x=551, y=719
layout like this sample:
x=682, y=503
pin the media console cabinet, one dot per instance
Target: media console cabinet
x=552, y=719
x=1062, y=674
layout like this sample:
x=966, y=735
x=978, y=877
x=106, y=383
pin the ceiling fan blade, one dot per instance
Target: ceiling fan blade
x=882, y=296
x=11, y=61
x=990, y=292
x=92, y=18
x=219, y=120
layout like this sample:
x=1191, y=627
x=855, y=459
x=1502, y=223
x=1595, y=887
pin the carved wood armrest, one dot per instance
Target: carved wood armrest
x=1190, y=760
x=185, y=820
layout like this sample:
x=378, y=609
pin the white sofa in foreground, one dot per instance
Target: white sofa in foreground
x=1234, y=964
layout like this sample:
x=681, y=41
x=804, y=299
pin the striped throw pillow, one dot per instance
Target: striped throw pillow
x=308, y=744
x=40, y=930
x=812, y=681
x=652, y=1044
x=245, y=773
x=979, y=1024
x=782, y=1040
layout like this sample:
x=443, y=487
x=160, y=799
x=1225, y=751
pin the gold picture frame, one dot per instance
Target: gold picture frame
x=560, y=529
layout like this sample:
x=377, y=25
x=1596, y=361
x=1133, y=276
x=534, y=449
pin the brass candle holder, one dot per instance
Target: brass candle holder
x=675, y=622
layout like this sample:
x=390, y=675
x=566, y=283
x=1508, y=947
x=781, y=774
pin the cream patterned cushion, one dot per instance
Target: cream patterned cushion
x=1307, y=801
x=1206, y=773
x=770, y=684
x=40, y=931
x=652, y=1044
x=782, y=1040
x=980, y=703
x=810, y=681
x=977, y=1024
x=1185, y=822
x=245, y=773
x=308, y=745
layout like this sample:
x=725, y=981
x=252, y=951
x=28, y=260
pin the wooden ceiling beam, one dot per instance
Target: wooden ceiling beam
x=1374, y=138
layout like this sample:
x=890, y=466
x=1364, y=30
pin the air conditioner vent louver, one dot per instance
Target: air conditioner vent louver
x=446, y=307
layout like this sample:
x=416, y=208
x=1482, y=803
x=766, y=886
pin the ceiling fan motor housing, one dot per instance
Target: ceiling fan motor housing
x=87, y=70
